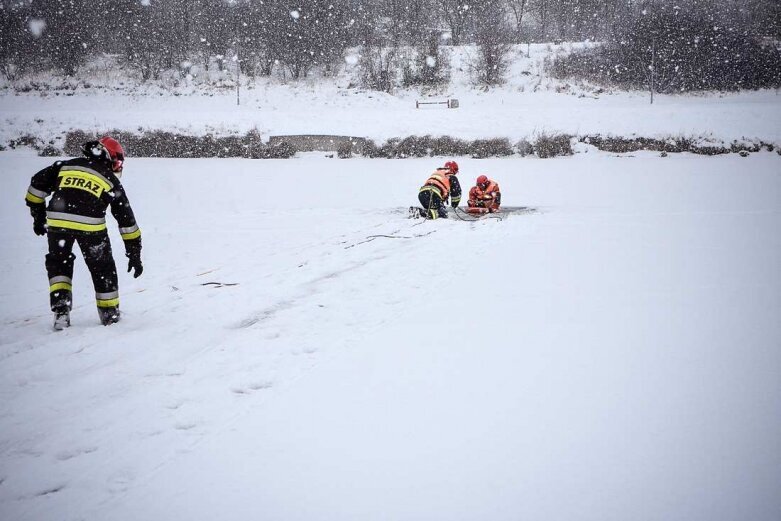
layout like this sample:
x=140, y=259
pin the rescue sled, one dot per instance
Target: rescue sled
x=476, y=212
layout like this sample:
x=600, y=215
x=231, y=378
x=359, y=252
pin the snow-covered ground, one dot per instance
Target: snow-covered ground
x=529, y=104
x=613, y=356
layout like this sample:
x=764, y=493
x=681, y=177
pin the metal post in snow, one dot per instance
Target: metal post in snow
x=653, y=54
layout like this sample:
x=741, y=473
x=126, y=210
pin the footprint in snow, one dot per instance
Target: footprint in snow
x=120, y=481
x=254, y=386
x=65, y=455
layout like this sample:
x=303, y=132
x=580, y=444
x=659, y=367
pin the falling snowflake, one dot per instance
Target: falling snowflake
x=431, y=61
x=295, y=14
x=36, y=26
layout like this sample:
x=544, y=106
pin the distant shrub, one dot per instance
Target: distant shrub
x=553, y=145
x=344, y=150
x=524, y=148
x=168, y=144
x=50, y=151
x=621, y=145
x=232, y=146
x=25, y=141
x=709, y=150
x=370, y=149
x=388, y=149
x=448, y=146
x=497, y=147
x=74, y=140
x=413, y=146
x=283, y=150
x=747, y=147
x=692, y=48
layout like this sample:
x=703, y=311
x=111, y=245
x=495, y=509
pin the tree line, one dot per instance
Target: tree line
x=400, y=42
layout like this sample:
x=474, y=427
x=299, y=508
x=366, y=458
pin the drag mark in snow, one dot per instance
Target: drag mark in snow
x=264, y=315
x=65, y=455
x=50, y=490
x=283, y=305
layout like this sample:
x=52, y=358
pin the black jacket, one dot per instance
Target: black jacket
x=81, y=190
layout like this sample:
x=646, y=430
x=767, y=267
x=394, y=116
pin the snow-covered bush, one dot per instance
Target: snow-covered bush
x=524, y=148
x=496, y=147
x=553, y=145
x=428, y=66
x=345, y=150
x=449, y=146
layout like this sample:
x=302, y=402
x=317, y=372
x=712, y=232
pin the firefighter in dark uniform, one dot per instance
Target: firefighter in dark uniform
x=438, y=188
x=81, y=189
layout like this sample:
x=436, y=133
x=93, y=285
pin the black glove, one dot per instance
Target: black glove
x=134, y=263
x=39, y=221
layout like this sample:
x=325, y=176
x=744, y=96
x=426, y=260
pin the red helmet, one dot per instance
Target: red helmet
x=482, y=180
x=115, y=152
x=453, y=166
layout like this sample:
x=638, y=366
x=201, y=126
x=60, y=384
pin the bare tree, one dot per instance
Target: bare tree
x=490, y=34
x=456, y=14
x=63, y=42
x=17, y=38
x=312, y=34
x=518, y=10
x=379, y=52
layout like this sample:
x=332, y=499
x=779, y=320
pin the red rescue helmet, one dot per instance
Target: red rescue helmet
x=115, y=152
x=108, y=149
x=482, y=180
x=452, y=166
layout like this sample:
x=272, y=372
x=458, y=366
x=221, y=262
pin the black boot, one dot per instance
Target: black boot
x=62, y=315
x=62, y=319
x=108, y=316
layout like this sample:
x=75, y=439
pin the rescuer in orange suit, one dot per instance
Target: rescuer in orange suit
x=485, y=196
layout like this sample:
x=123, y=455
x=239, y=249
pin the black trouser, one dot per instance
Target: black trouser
x=433, y=206
x=96, y=249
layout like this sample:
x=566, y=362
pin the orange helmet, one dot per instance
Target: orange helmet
x=452, y=166
x=482, y=180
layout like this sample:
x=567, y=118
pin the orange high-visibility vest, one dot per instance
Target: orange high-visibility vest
x=441, y=180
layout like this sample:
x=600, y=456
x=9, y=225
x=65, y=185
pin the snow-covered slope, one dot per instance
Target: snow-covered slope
x=529, y=104
x=612, y=356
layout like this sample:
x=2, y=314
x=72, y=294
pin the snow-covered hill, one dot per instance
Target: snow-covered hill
x=529, y=104
x=613, y=356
